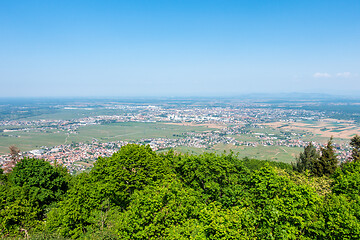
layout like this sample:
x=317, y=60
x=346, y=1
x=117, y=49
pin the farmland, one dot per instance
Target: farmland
x=129, y=131
x=326, y=128
x=270, y=131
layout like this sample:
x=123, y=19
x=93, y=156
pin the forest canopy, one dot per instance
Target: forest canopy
x=140, y=194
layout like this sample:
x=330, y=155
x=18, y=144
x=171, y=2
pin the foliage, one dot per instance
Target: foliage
x=232, y=223
x=3, y=177
x=347, y=179
x=43, y=182
x=255, y=164
x=72, y=215
x=26, y=192
x=306, y=159
x=283, y=209
x=323, y=163
x=133, y=167
x=159, y=211
x=18, y=214
x=322, y=185
x=327, y=163
x=355, y=144
x=338, y=218
x=216, y=177
x=140, y=194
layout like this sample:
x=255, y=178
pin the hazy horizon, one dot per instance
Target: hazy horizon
x=178, y=48
x=292, y=96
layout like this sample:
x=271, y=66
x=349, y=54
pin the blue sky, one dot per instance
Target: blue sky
x=178, y=48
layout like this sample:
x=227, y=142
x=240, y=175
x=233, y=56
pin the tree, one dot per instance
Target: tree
x=160, y=211
x=355, y=144
x=73, y=214
x=217, y=177
x=3, y=177
x=228, y=223
x=306, y=159
x=15, y=158
x=26, y=193
x=327, y=162
x=139, y=194
x=282, y=208
x=338, y=219
x=347, y=179
x=131, y=168
x=18, y=214
x=43, y=182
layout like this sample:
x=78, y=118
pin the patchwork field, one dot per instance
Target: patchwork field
x=326, y=128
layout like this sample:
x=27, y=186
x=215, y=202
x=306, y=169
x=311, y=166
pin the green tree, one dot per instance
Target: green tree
x=131, y=168
x=106, y=189
x=230, y=223
x=338, y=219
x=26, y=193
x=43, y=182
x=3, y=177
x=283, y=209
x=306, y=159
x=139, y=194
x=217, y=177
x=160, y=212
x=355, y=144
x=73, y=214
x=327, y=162
x=256, y=164
x=18, y=214
x=347, y=179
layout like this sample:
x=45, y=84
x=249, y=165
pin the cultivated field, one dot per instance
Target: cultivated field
x=132, y=131
x=326, y=128
x=191, y=124
x=104, y=133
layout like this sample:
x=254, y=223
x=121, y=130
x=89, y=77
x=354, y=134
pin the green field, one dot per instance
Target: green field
x=245, y=137
x=131, y=131
x=273, y=153
x=104, y=133
x=68, y=114
x=30, y=140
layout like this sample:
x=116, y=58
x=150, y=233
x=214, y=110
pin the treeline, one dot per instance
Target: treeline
x=140, y=194
x=324, y=161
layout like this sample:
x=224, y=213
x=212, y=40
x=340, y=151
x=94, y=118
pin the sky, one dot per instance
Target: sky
x=178, y=48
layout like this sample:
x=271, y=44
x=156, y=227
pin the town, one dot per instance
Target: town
x=225, y=125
